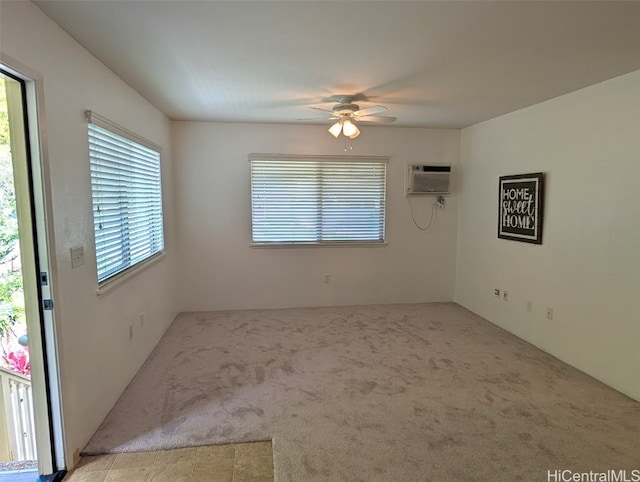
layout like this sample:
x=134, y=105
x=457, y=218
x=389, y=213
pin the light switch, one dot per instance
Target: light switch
x=77, y=256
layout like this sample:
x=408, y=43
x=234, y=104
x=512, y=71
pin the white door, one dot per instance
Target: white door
x=39, y=417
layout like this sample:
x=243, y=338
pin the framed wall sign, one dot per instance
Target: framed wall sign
x=520, y=207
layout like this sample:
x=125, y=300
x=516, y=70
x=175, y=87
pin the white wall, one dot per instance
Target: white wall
x=588, y=268
x=219, y=270
x=97, y=359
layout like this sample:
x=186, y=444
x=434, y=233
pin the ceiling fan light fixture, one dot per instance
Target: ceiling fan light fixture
x=345, y=114
x=335, y=129
x=349, y=129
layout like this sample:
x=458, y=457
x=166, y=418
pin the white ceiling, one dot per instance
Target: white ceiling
x=433, y=64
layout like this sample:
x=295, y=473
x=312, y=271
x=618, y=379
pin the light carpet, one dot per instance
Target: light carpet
x=417, y=392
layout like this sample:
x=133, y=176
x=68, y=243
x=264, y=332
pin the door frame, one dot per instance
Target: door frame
x=48, y=407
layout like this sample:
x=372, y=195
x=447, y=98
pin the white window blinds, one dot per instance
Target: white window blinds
x=127, y=197
x=317, y=200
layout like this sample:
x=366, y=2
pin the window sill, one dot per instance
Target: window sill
x=121, y=278
x=320, y=245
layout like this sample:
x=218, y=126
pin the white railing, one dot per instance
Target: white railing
x=17, y=431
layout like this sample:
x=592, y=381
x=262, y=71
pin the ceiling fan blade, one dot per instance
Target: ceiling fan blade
x=317, y=119
x=375, y=109
x=383, y=118
x=321, y=109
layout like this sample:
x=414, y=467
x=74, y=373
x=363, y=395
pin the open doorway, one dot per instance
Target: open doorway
x=17, y=430
x=29, y=414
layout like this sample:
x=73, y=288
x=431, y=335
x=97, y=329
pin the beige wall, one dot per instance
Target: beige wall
x=588, y=268
x=218, y=268
x=97, y=359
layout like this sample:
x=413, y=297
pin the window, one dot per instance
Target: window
x=127, y=197
x=317, y=200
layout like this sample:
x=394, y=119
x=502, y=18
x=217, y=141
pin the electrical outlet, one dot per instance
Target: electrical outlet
x=327, y=277
x=505, y=295
x=130, y=331
x=496, y=293
x=77, y=256
x=141, y=319
x=550, y=313
x=529, y=305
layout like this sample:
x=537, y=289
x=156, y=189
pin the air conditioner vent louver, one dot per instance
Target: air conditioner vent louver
x=428, y=179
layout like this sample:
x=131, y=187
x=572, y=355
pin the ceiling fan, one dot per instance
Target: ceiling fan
x=346, y=114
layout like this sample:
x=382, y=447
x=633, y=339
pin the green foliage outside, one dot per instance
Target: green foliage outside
x=11, y=299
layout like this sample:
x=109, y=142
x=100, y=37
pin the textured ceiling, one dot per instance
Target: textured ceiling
x=433, y=64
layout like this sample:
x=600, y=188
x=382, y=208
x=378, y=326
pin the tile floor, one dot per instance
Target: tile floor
x=248, y=462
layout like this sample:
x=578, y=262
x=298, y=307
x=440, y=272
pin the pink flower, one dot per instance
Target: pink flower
x=18, y=361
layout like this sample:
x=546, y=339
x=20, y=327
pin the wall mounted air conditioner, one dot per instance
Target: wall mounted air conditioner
x=427, y=179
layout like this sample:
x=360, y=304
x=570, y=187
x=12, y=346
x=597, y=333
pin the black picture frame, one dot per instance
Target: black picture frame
x=520, y=207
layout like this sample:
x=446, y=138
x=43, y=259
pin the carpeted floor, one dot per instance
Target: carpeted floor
x=422, y=392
